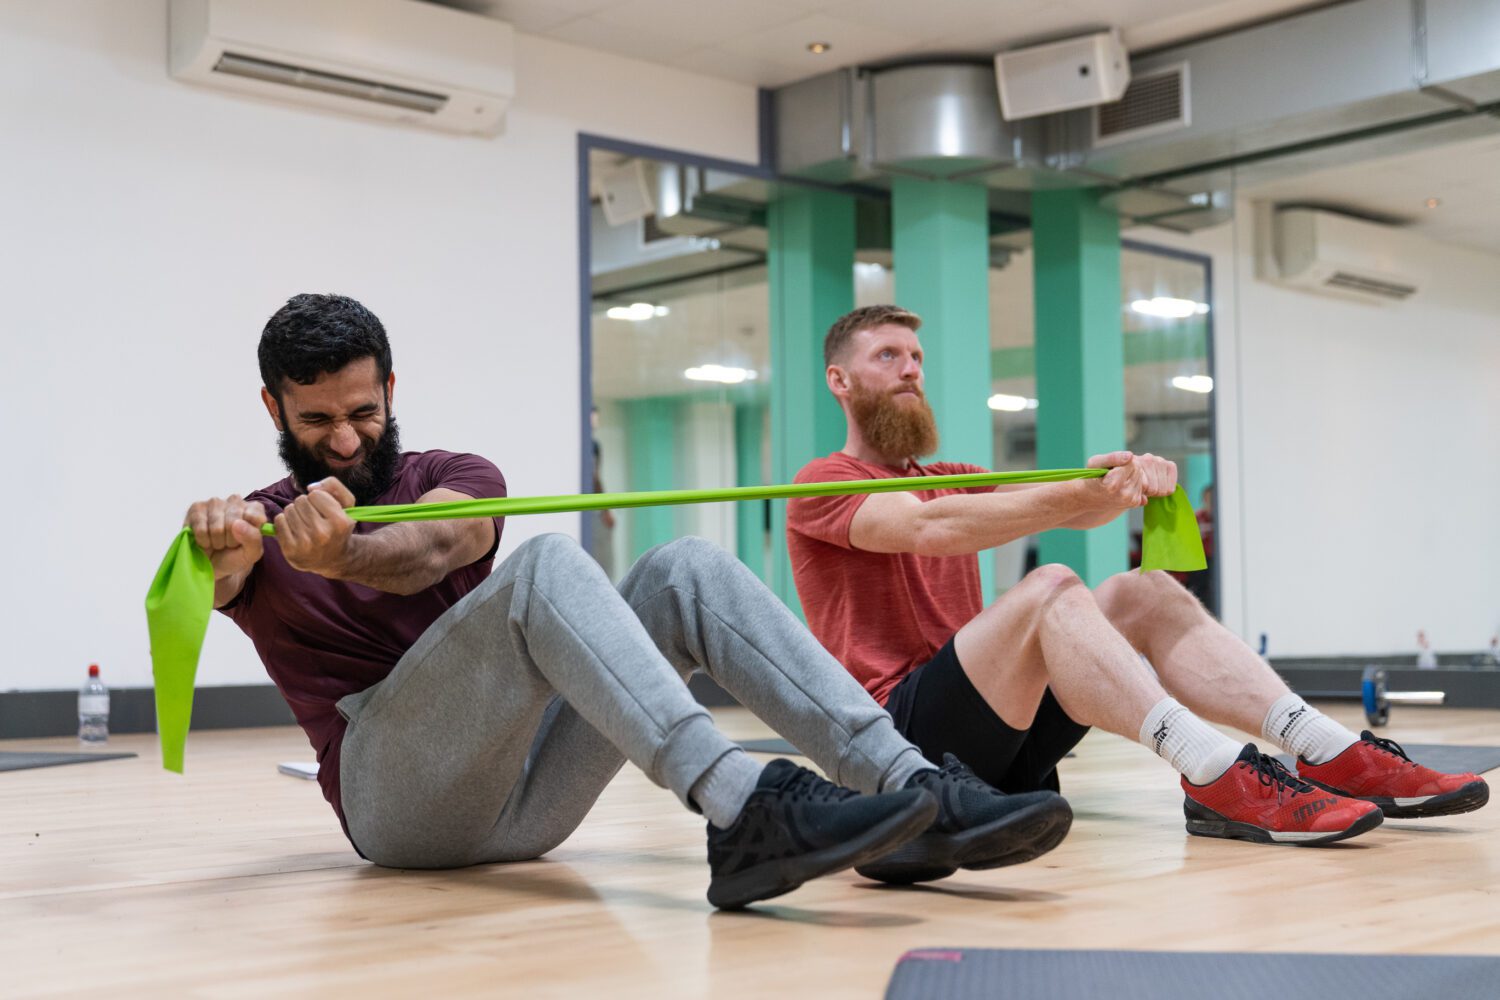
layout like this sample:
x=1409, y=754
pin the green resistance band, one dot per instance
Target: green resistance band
x=180, y=600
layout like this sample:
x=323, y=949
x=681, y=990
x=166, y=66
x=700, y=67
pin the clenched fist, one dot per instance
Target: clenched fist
x=228, y=530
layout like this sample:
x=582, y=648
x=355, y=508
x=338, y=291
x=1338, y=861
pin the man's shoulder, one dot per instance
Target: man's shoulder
x=279, y=493
x=833, y=468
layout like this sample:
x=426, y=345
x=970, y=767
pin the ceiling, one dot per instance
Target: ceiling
x=765, y=42
x=1464, y=178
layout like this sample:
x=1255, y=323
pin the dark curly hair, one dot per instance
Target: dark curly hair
x=315, y=335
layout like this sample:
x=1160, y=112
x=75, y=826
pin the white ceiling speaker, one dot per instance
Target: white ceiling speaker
x=415, y=63
x=625, y=193
x=1061, y=76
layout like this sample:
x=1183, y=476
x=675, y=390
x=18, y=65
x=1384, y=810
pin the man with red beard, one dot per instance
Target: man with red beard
x=890, y=585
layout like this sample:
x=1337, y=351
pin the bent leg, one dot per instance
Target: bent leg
x=1048, y=632
x=433, y=761
x=705, y=610
x=1204, y=665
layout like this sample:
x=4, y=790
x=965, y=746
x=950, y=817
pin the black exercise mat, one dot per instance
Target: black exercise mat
x=777, y=746
x=1441, y=757
x=18, y=761
x=992, y=974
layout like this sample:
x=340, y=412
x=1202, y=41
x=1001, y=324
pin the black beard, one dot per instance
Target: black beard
x=367, y=480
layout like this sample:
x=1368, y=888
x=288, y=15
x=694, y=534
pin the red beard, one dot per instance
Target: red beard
x=892, y=427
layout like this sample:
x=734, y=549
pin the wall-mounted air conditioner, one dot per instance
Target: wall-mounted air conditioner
x=399, y=60
x=1338, y=255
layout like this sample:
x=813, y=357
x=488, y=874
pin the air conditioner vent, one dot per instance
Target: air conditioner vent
x=1369, y=286
x=288, y=75
x=1155, y=102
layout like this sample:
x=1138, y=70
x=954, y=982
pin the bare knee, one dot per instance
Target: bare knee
x=1051, y=577
x=1136, y=602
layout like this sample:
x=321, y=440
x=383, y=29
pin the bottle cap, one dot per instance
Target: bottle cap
x=93, y=670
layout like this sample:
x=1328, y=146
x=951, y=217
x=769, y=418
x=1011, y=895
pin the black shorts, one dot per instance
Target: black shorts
x=937, y=708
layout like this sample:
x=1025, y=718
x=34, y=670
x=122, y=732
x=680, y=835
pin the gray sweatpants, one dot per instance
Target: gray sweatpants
x=497, y=731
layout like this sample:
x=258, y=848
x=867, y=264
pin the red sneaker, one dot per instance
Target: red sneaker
x=1258, y=799
x=1378, y=770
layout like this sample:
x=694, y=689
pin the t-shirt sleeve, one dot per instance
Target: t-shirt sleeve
x=825, y=518
x=470, y=475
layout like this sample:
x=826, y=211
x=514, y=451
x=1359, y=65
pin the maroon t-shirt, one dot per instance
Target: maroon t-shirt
x=322, y=639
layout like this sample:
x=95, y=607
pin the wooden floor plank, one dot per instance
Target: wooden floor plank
x=234, y=881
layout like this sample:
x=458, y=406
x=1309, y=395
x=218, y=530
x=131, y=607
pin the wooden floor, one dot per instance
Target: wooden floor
x=118, y=879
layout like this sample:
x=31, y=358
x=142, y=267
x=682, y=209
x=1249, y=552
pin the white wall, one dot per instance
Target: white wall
x=149, y=228
x=1359, y=452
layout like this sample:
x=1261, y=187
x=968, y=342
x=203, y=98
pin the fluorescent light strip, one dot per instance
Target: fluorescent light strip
x=1194, y=383
x=1164, y=307
x=636, y=312
x=1011, y=404
x=720, y=373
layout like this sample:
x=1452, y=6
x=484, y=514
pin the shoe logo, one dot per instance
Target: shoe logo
x=1160, y=736
x=1302, y=813
x=1291, y=720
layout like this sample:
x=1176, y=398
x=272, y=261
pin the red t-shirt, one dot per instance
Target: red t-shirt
x=322, y=639
x=880, y=614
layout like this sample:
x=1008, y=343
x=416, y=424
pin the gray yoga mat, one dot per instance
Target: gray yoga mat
x=1441, y=757
x=1001, y=974
x=17, y=761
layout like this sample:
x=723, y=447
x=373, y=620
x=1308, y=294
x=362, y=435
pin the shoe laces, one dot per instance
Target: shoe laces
x=1387, y=746
x=956, y=772
x=805, y=786
x=1273, y=773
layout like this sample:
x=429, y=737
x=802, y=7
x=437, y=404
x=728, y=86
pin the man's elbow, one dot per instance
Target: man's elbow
x=936, y=539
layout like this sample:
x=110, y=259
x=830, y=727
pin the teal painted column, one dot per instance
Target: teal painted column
x=749, y=518
x=1080, y=360
x=811, y=266
x=940, y=235
x=1198, y=474
x=651, y=439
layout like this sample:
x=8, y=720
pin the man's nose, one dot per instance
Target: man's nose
x=344, y=442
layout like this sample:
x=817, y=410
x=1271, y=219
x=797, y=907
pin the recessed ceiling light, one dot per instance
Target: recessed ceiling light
x=1432, y=202
x=818, y=48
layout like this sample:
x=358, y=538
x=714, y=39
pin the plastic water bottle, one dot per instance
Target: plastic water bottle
x=93, y=709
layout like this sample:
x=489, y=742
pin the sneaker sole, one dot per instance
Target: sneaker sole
x=1204, y=822
x=775, y=878
x=1011, y=840
x=1470, y=797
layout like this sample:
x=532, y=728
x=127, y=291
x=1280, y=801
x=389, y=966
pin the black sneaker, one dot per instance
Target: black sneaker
x=796, y=826
x=977, y=827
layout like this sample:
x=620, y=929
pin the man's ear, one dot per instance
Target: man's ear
x=390, y=393
x=838, y=381
x=272, y=407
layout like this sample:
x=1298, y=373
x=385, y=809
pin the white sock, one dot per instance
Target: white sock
x=721, y=792
x=1198, y=751
x=1303, y=731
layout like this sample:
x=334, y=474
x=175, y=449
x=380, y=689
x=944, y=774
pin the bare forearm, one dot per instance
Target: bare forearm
x=400, y=559
x=1093, y=519
x=228, y=588
x=957, y=525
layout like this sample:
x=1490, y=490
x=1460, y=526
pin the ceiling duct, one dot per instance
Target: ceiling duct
x=1357, y=79
x=1334, y=73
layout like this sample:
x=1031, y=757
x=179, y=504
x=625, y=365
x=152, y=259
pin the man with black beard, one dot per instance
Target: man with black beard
x=463, y=717
x=890, y=585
